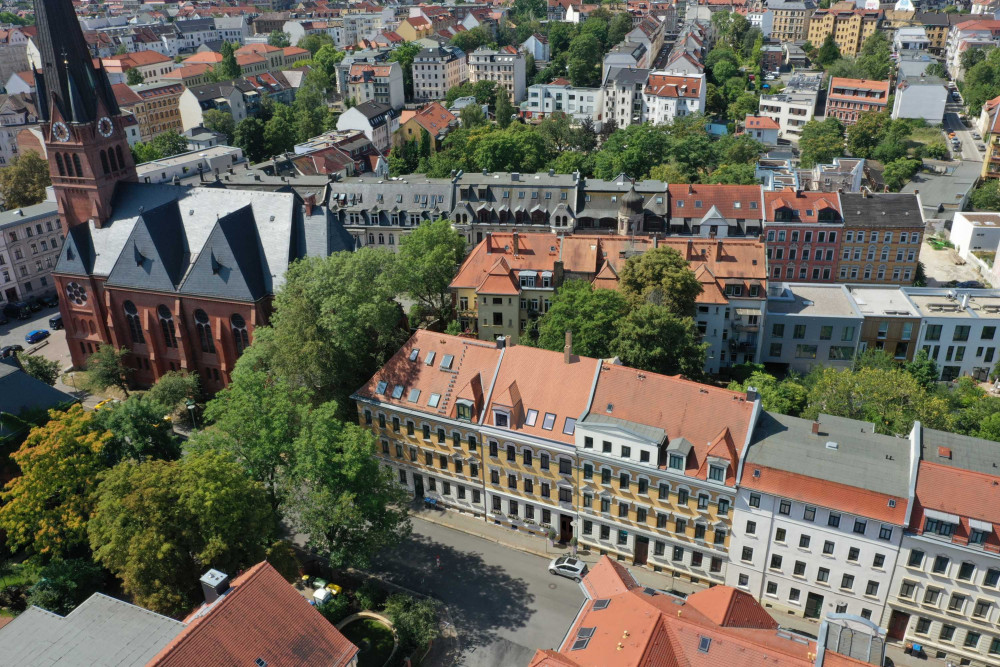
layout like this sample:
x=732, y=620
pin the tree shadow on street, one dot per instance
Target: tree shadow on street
x=482, y=599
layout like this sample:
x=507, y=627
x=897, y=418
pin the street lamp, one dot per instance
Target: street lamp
x=190, y=406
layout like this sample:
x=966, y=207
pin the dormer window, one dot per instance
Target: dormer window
x=676, y=462
x=414, y=353
x=501, y=418
x=463, y=409
x=397, y=391
x=716, y=473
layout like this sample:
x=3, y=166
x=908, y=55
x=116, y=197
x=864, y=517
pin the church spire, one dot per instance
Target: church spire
x=68, y=83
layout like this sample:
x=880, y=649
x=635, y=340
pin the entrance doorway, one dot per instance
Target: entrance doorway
x=641, y=550
x=565, y=528
x=418, y=486
x=814, y=605
x=11, y=294
x=897, y=624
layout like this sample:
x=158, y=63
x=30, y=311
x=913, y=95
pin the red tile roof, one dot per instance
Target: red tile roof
x=803, y=206
x=667, y=85
x=832, y=495
x=125, y=95
x=434, y=118
x=732, y=201
x=760, y=123
x=731, y=608
x=608, y=578
x=262, y=616
x=966, y=494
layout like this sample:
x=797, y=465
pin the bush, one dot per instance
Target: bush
x=416, y=621
x=335, y=609
x=65, y=584
x=369, y=596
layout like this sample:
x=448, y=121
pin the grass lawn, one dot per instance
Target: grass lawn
x=927, y=135
x=374, y=640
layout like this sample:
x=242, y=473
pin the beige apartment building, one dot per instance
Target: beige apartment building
x=155, y=107
x=437, y=69
x=849, y=26
x=791, y=19
x=505, y=66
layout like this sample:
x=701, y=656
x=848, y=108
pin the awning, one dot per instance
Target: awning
x=941, y=516
x=747, y=311
x=984, y=526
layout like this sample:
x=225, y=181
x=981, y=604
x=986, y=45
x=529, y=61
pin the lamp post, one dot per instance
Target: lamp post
x=190, y=406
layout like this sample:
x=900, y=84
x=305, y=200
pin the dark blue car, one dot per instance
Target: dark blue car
x=36, y=336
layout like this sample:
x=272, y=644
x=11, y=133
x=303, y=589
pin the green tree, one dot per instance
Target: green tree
x=821, y=141
x=206, y=513
x=429, y=258
x=653, y=338
x=734, y=174
x=986, y=197
x=257, y=418
x=138, y=431
x=107, y=368
x=621, y=25
x=249, y=136
x=228, y=68
x=668, y=173
x=633, y=151
x=173, y=389
x=134, y=77
x=315, y=41
x=416, y=621
x=924, y=369
x=971, y=57
x=461, y=90
x=221, y=122
x=744, y=105
x=470, y=40
x=23, y=181
x=899, y=172
x=591, y=314
x=505, y=110
x=404, y=55
x=518, y=148
x=569, y=162
x=46, y=508
x=875, y=58
x=279, y=39
x=936, y=69
x=829, y=52
x=310, y=106
x=585, y=54
x=867, y=133
x=329, y=56
x=64, y=584
x=279, y=132
x=787, y=396
x=661, y=277
x=486, y=93
x=350, y=506
x=40, y=368
x=560, y=35
x=472, y=116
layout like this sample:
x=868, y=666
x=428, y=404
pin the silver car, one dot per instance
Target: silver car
x=566, y=566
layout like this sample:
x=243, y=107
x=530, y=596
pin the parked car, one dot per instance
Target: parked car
x=970, y=284
x=17, y=309
x=35, y=305
x=10, y=350
x=36, y=336
x=975, y=135
x=56, y=322
x=571, y=568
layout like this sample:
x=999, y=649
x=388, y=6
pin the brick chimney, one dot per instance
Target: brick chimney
x=516, y=243
x=310, y=201
x=816, y=427
x=568, y=347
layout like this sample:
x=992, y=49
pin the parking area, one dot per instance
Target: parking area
x=54, y=347
x=943, y=266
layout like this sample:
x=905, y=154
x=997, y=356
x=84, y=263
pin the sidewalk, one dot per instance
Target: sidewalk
x=539, y=546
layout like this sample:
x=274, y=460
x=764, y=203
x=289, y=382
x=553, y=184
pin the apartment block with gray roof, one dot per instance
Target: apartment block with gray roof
x=30, y=240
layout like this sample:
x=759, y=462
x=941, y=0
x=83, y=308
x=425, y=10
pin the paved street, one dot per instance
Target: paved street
x=504, y=603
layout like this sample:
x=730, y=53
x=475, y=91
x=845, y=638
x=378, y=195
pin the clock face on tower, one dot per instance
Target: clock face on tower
x=105, y=127
x=60, y=131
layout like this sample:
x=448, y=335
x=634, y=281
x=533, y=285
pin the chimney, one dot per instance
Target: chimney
x=718, y=250
x=568, y=348
x=501, y=342
x=310, y=203
x=214, y=585
x=816, y=427
x=965, y=300
x=489, y=242
x=516, y=243
x=751, y=394
x=711, y=232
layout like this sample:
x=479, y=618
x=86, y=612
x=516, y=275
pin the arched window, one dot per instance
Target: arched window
x=204, y=331
x=111, y=159
x=69, y=164
x=59, y=164
x=371, y=239
x=167, y=325
x=76, y=165
x=381, y=239
x=134, y=326
x=121, y=160
x=392, y=239
x=240, y=337
x=93, y=329
x=104, y=162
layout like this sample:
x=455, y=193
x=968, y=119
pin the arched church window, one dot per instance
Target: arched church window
x=134, y=326
x=241, y=339
x=167, y=325
x=204, y=331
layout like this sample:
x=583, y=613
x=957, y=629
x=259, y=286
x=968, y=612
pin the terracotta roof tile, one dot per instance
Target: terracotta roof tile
x=761, y=123
x=733, y=201
x=667, y=85
x=804, y=206
x=608, y=578
x=731, y=608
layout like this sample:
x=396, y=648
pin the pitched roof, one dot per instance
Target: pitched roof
x=20, y=393
x=261, y=617
x=803, y=206
x=731, y=608
x=760, y=123
x=125, y=95
x=732, y=201
x=434, y=118
x=888, y=210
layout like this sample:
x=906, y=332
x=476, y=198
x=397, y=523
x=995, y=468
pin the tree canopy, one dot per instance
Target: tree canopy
x=429, y=258
x=821, y=141
x=662, y=277
x=23, y=181
x=591, y=314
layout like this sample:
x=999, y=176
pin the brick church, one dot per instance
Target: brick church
x=179, y=275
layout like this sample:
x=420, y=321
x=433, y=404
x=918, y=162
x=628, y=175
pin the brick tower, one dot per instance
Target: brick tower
x=80, y=120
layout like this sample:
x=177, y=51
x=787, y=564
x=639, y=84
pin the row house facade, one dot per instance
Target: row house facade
x=506, y=67
x=436, y=70
x=847, y=99
x=155, y=106
x=30, y=241
x=803, y=231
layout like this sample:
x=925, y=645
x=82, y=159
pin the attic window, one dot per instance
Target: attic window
x=397, y=391
x=697, y=203
x=580, y=644
x=601, y=604
x=531, y=417
x=737, y=204
x=892, y=502
x=414, y=353
x=414, y=395
x=260, y=662
x=611, y=407
x=704, y=644
x=446, y=362
x=380, y=389
x=429, y=359
x=649, y=591
x=549, y=421
x=753, y=205
x=570, y=426
x=433, y=401
x=809, y=211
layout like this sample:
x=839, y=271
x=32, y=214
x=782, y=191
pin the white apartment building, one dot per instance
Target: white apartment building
x=232, y=28
x=944, y=591
x=366, y=25
x=14, y=46
x=17, y=112
x=975, y=33
x=667, y=96
x=819, y=515
x=382, y=83
x=623, y=95
x=436, y=70
x=505, y=66
x=30, y=242
x=559, y=95
x=794, y=106
x=958, y=329
x=975, y=231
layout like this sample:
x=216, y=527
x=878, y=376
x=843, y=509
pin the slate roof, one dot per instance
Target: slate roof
x=21, y=393
x=102, y=631
x=890, y=210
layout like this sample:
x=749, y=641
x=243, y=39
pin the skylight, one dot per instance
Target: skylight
x=586, y=633
x=433, y=401
x=530, y=419
x=414, y=395
x=549, y=421
x=601, y=604
x=397, y=391
x=704, y=644
x=429, y=359
x=580, y=644
x=380, y=389
x=414, y=353
x=447, y=361
x=570, y=426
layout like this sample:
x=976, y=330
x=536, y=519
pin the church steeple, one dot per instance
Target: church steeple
x=87, y=147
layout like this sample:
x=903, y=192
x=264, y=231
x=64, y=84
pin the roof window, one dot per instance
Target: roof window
x=414, y=353
x=601, y=604
x=433, y=401
x=531, y=417
x=549, y=421
x=704, y=643
x=397, y=391
x=429, y=359
x=380, y=389
x=569, y=428
x=414, y=395
x=447, y=361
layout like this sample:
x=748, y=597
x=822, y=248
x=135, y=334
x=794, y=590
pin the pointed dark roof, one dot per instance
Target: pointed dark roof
x=231, y=264
x=77, y=255
x=156, y=254
x=68, y=79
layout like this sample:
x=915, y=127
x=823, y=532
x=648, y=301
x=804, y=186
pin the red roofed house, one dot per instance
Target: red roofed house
x=668, y=96
x=381, y=83
x=625, y=625
x=944, y=588
x=152, y=65
x=847, y=99
x=432, y=118
x=762, y=128
x=821, y=511
x=803, y=232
